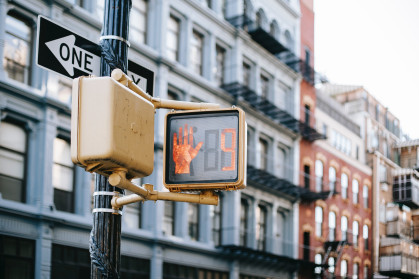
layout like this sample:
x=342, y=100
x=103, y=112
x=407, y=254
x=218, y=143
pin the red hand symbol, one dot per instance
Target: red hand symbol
x=184, y=153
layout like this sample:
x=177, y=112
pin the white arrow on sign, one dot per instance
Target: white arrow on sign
x=71, y=56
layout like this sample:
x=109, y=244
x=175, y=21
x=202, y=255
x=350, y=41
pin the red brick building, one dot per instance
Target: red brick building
x=335, y=226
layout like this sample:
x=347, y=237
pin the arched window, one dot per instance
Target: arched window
x=355, y=191
x=319, y=175
x=365, y=237
x=319, y=220
x=344, y=268
x=332, y=179
x=331, y=263
x=365, y=195
x=318, y=261
x=344, y=185
x=289, y=41
x=344, y=227
x=261, y=19
x=17, y=48
x=332, y=226
x=274, y=30
x=355, y=232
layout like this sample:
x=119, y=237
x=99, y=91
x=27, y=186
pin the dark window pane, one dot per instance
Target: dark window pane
x=63, y=200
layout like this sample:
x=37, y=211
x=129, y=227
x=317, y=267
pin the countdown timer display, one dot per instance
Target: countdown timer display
x=204, y=149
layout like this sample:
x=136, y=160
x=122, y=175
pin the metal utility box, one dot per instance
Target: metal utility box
x=205, y=150
x=111, y=127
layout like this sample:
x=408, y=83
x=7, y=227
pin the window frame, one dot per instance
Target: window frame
x=244, y=222
x=64, y=137
x=193, y=221
x=219, y=74
x=319, y=218
x=132, y=25
x=197, y=43
x=178, y=19
x=24, y=126
x=27, y=78
x=261, y=227
x=344, y=185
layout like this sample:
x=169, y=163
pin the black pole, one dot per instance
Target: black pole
x=105, y=237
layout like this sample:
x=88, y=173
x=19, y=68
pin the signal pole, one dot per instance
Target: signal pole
x=105, y=237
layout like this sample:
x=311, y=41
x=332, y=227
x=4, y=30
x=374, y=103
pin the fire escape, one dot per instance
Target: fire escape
x=399, y=249
x=242, y=92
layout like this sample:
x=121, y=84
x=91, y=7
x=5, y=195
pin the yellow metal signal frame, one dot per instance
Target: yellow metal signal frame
x=238, y=184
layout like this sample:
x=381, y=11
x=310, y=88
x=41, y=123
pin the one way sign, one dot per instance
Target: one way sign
x=65, y=52
x=71, y=55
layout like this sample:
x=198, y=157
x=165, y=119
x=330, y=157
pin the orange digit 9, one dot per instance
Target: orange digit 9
x=231, y=149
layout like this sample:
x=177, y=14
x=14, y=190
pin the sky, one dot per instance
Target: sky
x=375, y=44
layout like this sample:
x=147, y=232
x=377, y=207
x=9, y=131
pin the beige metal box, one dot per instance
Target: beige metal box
x=111, y=127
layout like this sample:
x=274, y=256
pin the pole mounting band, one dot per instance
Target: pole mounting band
x=107, y=210
x=113, y=37
x=103, y=193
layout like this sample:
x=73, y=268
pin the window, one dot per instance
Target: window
x=175, y=271
x=17, y=48
x=377, y=112
x=344, y=227
x=280, y=233
x=13, y=151
x=69, y=261
x=332, y=179
x=365, y=237
x=219, y=65
x=319, y=176
x=63, y=176
x=264, y=86
x=132, y=212
x=169, y=218
x=355, y=272
x=197, y=46
x=344, y=268
x=17, y=257
x=261, y=227
x=366, y=271
x=306, y=246
x=355, y=191
x=216, y=217
x=135, y=268
x=307, y=176
x=263, y=148
x=246, y=74
x=331, y=263
x=355, y=232
x=224, y=8
x=365, y=195
x=324, y=130
x=332, y=226
x=307, y=114
x=319, y=220
x=172, y=43
x=244, y=218
x=344, y=185
x=318, y=261
x=193, y=221
x=138, y=21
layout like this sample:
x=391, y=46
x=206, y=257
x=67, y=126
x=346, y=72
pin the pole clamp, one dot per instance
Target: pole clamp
x=104, y=193
x=113, y=37
x=107, y=210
